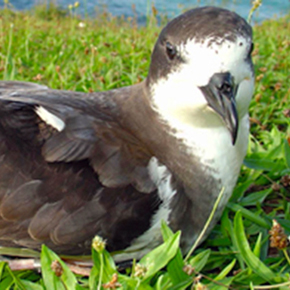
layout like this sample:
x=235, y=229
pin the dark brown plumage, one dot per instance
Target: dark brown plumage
x=65, y=204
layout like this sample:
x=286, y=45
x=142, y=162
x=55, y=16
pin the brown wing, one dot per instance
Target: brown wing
x=62, y=187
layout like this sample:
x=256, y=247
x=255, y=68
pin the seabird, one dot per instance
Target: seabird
x=116, y=163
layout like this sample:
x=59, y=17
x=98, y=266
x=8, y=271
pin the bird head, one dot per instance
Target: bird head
x=201, y=70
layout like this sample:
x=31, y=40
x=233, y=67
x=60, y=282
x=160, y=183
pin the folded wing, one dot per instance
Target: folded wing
x=66, y=161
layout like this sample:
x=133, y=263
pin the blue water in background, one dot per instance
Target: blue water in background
x=269, y=8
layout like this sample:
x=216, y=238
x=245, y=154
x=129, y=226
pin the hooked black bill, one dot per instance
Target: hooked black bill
x=220, y=94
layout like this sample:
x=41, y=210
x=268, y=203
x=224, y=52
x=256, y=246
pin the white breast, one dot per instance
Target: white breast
x=214, y=149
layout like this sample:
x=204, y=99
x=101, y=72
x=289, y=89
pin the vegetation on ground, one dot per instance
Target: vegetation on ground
x=56, y=48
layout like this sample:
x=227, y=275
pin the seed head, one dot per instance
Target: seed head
x=98, y=244
x=278, y=238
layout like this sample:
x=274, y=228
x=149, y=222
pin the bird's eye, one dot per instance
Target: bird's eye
x=171, y=50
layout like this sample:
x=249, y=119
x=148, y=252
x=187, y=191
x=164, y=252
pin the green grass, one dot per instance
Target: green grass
x=47, y=47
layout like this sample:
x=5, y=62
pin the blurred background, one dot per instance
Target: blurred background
x=141, y=8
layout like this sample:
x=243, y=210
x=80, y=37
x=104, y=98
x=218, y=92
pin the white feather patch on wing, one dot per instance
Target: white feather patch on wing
x=161, y=177
x=50, y=118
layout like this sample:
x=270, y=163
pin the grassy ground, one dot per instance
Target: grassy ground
x=104, y=53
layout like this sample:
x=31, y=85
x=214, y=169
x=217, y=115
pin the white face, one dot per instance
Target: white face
x=178, y=97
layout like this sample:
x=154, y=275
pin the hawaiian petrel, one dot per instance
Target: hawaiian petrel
x=116, y=163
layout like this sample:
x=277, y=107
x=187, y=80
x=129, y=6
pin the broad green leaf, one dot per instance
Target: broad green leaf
x=79, y=287
x=2, y=267
x=166, y=231
x=175, y=269
x=276, y=152
x=160, y=256
x=259, y=163
x=66, y=280
x=175, y=266
x=163, y=282
x=222, y=284
x=104, y=265
x=228, y=226
x=16, y=280
x=6, y=283
x=200, y=260
x=129, y=283
x=108, y=261
x=254, y=263
x=51, y=281
x=19, y=252
x=94, y=278
x=142, y=286
x=31, y=286
x=182, y=285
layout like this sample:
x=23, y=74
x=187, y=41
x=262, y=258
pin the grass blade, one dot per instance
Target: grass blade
x=254, y=263
x=249, y=215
